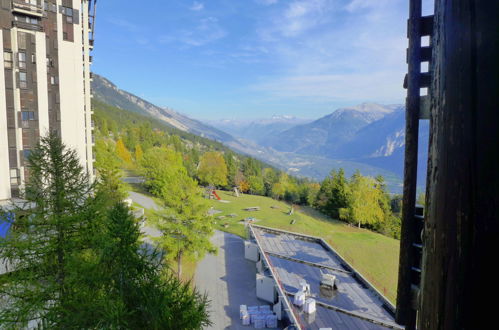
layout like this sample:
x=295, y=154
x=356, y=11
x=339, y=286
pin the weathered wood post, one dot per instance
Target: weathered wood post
x=410, y=247
x=459, y=288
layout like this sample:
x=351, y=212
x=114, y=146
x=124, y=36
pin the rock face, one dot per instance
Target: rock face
x=107, y=92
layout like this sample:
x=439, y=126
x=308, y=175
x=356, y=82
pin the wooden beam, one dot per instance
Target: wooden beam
x=405, y=314
x=426, y=26
x=459, y=286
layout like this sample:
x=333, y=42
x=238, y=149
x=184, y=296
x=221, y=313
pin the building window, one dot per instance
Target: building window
x=28, y=115
x=22, y=60
x=21, y=40
x=7, y=58
x=69, y=15
x=14, y=176
x=54, y=80
x=26, y=19
x=23, y=80
x=47, y=6
x=26, y=154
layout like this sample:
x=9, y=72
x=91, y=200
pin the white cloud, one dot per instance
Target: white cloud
x=298, y=17
x=124, y=24
x=330, y=50
x=197, y=6
x=206, y=31
x=378, y=86
x=267, y=2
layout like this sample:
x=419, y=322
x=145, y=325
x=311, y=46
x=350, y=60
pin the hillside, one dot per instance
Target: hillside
x=108, y=93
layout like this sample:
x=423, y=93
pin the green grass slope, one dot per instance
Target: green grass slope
x=375, y=256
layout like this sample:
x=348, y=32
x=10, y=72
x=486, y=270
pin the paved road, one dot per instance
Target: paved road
x=143, y=200
x=147, y=203
x=229, y=280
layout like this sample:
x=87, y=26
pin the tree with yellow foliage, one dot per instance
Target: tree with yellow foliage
x=123, y=152
x=213, y=169
x=139, y=153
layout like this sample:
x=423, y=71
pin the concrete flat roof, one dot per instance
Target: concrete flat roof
x=293, y=257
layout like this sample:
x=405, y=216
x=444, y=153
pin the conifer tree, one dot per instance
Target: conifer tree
x=46, y=238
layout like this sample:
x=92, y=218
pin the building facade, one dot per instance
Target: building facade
x=45, y=79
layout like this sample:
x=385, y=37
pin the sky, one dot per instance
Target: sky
x=242, y=59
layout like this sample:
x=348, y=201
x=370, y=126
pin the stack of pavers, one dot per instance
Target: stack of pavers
x=259, y=316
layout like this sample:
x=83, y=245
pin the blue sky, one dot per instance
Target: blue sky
x=217, y=59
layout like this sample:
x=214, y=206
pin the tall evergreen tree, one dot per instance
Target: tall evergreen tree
x=47, y=236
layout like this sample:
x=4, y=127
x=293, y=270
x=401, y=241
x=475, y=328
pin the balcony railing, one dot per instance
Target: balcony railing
x=23, y=7
x=27, y=26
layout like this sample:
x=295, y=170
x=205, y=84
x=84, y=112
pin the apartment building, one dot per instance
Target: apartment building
x=45, y=79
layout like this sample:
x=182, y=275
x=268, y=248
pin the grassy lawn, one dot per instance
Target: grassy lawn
x=375, y=256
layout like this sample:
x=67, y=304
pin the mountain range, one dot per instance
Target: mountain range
x=369, y=137
x=258, y=130
x=107, y=92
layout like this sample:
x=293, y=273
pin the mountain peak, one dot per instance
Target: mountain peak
x=367, y=107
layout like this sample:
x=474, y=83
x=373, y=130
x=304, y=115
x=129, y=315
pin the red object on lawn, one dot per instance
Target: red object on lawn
x=216, y=195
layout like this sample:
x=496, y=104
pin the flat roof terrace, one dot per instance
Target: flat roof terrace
x=293, y=257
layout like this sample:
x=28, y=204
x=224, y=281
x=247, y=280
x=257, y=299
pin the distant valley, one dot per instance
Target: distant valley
x=368, y=137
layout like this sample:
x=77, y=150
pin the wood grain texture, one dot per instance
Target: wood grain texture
x=461, y=241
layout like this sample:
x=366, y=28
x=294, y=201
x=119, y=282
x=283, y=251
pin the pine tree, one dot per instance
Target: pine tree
x=48, y=234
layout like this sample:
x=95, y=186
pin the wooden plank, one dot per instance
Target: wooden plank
x=425, y=80
x=405, y=314
x=425, y=54
x=462, y=218
x=426, y=25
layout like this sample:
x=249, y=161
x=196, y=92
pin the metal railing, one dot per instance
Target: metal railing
x=27, y=8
